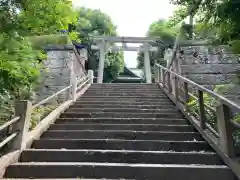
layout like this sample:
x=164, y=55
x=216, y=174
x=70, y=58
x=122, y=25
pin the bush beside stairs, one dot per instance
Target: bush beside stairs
x=121, y=131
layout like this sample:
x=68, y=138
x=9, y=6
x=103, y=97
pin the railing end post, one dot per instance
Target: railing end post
x=225, y=130
x=73, y=88
x=23, y=110
x=90, y=75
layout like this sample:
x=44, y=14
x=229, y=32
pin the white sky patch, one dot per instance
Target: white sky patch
x=132, y=17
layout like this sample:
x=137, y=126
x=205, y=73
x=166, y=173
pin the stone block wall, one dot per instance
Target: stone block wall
x=211, y=66
x=61, y=64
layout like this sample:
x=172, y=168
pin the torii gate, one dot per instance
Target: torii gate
x=104, y=41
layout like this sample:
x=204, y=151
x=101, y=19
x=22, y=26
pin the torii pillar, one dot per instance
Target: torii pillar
x=147, y=66
x=102, y=48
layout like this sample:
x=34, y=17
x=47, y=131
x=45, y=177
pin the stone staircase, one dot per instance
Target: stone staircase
x=121, y=131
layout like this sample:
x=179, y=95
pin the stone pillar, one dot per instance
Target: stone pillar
x=101, y=62
x=147, y=66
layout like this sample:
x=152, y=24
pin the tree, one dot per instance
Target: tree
x=220, y=18
x=94, y=22
x=19, y=59
x=167, y=37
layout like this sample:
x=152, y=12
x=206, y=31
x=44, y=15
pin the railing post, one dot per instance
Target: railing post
x=186, y=96
x=201, y=109
x=90, y=76
x=73, y=89
x=157, y=75
x=225, y=130
x=169, y=82
x=163, y=77
x=23, y=110
x=176, y=88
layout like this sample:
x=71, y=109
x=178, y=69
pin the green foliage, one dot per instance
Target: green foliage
x=211, y=116
x=41, y=112
x=114, y=64
x=39, y=42
x=19, y=70
x=46, y=17
x=219, y=20
x=178, y=15
x=21, y=23
x=94, y=22
x=167, y=36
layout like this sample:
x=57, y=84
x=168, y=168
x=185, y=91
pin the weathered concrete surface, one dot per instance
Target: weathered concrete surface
x=60, y=66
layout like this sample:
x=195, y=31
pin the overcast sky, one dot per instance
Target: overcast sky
x=132, y=17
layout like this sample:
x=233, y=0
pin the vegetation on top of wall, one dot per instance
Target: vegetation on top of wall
x=39, y=42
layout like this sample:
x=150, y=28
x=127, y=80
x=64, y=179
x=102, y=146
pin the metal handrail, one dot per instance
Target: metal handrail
x=83, y=83
x=50, y=97
x=9, y=123
x=85, y=79
x=7, y=140
x=200, y=87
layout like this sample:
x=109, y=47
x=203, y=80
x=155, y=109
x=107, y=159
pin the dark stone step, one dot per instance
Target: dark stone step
x=126, y=90
x=127, y=106
x=120, y=156
x=122, y=121
x=61, y=179
x=125, y=102
x=116, y=144
x=122, y=98
x=121, y=115
x=122, y=110
x=117, y=94
x=133, y=127
x=125, y=85
x=140, y=88
x=118, y=171
x=126, y=93
x=122, y=134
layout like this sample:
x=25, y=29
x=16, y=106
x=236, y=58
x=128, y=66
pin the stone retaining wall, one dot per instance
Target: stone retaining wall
x=59, y=68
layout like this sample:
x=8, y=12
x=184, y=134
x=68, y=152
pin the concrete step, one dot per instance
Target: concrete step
x=120, y=115
x=128, y=90
x=125, y=102
x=119, y=144
x=120, y=156
x=133, y=127
x=180, y=121
x=143, y=95
x=56, y=179
x=122, y=134
x=125, y=84
x=123, y=98
x=120, y=86
x=123, y=110
x=136, y=88
x=117, y=93
x=125, y=91
x=118, y=171
x=127, y=106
